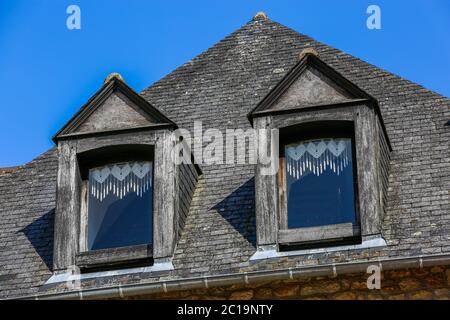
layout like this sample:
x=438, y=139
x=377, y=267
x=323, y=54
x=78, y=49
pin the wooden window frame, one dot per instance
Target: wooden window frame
x=76, y=154
x=368, y=139
x=114, y=258
x=104, y=259
x=336, y=232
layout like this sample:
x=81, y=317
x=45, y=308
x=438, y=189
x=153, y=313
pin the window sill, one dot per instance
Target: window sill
x=115, y=258
x=271, y=252
x=330, y=232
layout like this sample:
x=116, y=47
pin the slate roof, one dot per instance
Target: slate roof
x=220, y=87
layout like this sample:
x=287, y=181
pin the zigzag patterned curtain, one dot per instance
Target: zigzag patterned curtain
x=120, y=179
x=317, y=156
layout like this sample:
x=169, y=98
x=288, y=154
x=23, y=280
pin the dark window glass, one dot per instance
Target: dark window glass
x=319, y=177
x=120, y=205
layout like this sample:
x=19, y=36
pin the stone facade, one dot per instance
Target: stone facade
x=411, y=284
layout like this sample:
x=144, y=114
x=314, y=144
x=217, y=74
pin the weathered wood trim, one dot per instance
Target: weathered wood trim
x=115, y=256
x=329, y=232
x=266, y=192
x=301, y=109
x=282, y=191
x=333, y=114
x=383, y=167
x=83, y=237
x=124, y=138
x=67, y=207
x=367, y=141
x=77, y=135
x=164, y=197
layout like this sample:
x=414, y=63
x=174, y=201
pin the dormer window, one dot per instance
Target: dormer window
x=331, y=183
x=120, y=205
x=318, y=198
x=121, y=199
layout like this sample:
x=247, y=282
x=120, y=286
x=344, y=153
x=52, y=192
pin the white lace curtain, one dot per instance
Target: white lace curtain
x=120, y=179
x=317, y=157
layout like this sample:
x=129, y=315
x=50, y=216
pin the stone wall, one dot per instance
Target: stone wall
x=426, y=283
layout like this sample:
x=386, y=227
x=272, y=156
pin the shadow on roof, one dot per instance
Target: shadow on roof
x=40, y=235
x=238, y=208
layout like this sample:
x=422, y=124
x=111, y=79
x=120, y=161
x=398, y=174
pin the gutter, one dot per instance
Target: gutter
x=333, y=270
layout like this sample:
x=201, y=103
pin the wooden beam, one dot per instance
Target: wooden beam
x=113, y=256
x=335, y=231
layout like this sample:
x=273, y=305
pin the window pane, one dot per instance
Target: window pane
x=120, y=205
x=319, y=177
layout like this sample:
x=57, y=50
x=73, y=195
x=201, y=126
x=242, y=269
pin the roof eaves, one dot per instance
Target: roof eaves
x=333, y=270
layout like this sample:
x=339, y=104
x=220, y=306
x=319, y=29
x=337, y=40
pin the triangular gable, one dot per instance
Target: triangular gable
x=311, y=88
x=114, y=107
x=310, y=83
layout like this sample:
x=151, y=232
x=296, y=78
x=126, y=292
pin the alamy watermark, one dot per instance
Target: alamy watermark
x=73, y=21
x=229, y=147
x=373, y=22
x=374, y=280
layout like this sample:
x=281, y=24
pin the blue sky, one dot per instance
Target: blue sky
x=48, y=71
